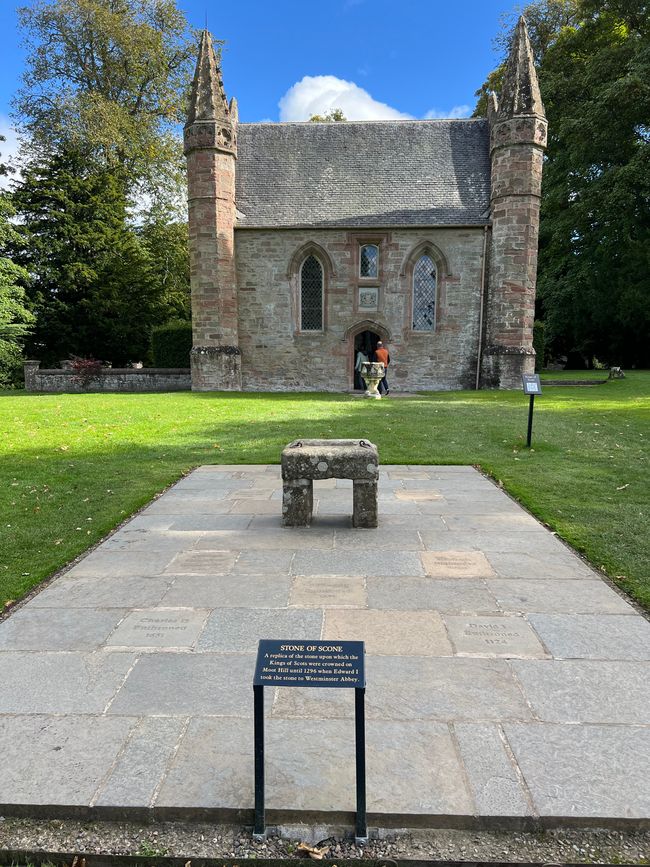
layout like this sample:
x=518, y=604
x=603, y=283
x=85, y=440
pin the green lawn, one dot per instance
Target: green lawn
x=73, y=466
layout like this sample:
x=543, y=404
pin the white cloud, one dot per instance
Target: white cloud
x=318, y=94
x=8, y=148
x=455, y=112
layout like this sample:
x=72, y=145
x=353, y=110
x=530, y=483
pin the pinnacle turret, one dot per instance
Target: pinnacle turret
x=208, y=98
x=520, y=92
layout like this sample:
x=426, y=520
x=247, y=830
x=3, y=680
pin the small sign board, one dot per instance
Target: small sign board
x=531, y=383
x=310, y=663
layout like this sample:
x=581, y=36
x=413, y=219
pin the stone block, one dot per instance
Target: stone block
x=493, y=781
x=469, y=595
x=507, y=637
x=229, y=591
x=364, y=504
x=159, y=627
x=362, y=562
x=456, y=564
x=586, y=691
x=188, y=684
x=100, y=592
x=594, y=636
x=297, y=502
x=394, y=633
x=42, y=757
x=141, y=766
x=587, y=771
x=58, y=628
x=558, y=596
x=60, y=683
x=240, y=630
x=327, y=591
x=204, y=562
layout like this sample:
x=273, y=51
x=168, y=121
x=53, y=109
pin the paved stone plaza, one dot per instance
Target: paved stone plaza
x=505, y=679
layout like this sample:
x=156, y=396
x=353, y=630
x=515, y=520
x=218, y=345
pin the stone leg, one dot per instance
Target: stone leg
x=364, y=498
x=297, y=502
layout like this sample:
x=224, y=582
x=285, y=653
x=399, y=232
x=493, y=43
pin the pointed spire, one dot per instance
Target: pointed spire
x=234, y=111
x=208, y=98
x=492, y=106
x=520, y=92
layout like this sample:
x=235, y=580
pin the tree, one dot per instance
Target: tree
x=109, y=78
x=335, y=115
x=92, y=284
x=593, y=274
x=167, y=246
x=594, y=281
x=15, y=319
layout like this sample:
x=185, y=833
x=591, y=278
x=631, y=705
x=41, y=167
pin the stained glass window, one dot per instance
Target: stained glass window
x=369, y=261
x=311, y=295
x=424, y=294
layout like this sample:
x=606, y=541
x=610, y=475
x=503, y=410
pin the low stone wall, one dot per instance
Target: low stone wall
x=110, y=379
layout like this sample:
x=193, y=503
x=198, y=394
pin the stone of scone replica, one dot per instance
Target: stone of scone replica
x=306, y=460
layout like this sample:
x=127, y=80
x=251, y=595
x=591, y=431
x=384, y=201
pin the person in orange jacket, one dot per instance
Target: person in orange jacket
x=382, y=354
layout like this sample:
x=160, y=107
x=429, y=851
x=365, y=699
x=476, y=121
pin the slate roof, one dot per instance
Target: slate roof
x=363, y=174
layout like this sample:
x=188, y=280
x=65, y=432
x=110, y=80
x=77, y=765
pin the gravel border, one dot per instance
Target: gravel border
x=588, y=846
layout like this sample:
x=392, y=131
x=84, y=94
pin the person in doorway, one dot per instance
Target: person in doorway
x=382, y=354
x=358, y=380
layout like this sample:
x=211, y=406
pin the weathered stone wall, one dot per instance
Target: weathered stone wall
x=276, y=356
x=110, y=379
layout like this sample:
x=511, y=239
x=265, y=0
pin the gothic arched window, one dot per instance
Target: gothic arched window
x=311, y=295
x=424, y=294
x=369, y=261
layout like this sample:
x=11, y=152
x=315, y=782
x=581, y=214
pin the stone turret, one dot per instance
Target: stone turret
x=517, y=141
x=210, y=140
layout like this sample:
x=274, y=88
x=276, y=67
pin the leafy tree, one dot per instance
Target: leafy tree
x=335, y=115
x=92, y=284
x=15, y=318
x=108, y=77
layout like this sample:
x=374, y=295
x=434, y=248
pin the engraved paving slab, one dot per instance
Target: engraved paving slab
x=507, y=683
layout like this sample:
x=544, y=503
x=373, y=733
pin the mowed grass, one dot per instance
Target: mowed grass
x=74, y=466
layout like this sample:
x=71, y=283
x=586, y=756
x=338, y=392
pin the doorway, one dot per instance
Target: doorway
x=366, y=342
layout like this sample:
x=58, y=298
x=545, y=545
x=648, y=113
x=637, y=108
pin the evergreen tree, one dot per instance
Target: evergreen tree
x=15, y=318
x=92, y=284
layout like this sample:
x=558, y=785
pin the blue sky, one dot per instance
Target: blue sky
x=374, y=58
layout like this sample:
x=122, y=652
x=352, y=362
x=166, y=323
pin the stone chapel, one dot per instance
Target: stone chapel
x=309, y=241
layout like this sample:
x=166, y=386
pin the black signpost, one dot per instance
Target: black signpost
x=532, y=386
x=335, y=664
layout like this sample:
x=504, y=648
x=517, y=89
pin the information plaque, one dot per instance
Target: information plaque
x=531, y=383
x=305, y=663
x=310, y=663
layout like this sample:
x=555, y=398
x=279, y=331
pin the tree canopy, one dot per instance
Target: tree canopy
x=107, y=78
x=594, y=274
x=15, y=319
x=94, y=284
x=334, y=116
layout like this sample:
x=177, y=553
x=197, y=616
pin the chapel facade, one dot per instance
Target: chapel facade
x=310, y=241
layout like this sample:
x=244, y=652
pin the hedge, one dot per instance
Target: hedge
x=171, y=344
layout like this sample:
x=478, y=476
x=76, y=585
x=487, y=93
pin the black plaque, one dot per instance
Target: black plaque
x=531, y=383
x=310, y=663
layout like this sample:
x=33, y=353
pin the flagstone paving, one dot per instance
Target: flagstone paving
x=507, y=683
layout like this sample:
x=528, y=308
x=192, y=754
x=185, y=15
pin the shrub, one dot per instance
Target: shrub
x=539, y=344
x=86, y=371
x=171, y=344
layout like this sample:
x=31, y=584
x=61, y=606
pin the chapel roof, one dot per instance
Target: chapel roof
x=363, y=174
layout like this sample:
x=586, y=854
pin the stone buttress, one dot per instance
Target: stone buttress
x=210, y=145
x=517, y=141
